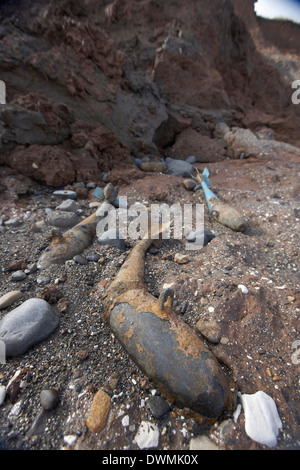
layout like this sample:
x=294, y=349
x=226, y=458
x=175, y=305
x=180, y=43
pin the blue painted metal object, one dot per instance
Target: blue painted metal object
x=221, y=212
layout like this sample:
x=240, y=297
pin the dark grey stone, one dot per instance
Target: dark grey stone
x=65, y=194
x=63, y=219
x=208, y=236
x=191, y=159
x=69, y=205
x=18, y=276
x=93, y=257
x=158, y=406
x=79, y=259
x=26, y=325
x=112, y=238
x=179, y=168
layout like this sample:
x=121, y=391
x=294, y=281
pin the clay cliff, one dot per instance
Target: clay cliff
x=93, y=84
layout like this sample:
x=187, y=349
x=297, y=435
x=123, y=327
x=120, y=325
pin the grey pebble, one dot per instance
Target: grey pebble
x=79, y=185
x=153, y=250
x=179, y=168
x=208, y=236
x=65, y=194
x=49, y=399
x=158, y=406
x=112, y=238
x=91, y=185
x=63, y=219
x=12, y=222
x=191, y=159
x=79, y=259
x=43, y=280
x=69, y=205
x=184, y=307
x=27, y=325
x=93, y=257
x=18, y=276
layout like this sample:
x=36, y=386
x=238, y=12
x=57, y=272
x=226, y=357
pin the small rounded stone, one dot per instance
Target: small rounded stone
x=49, y=399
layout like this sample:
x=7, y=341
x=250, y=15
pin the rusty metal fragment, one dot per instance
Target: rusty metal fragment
x=74, y=241
x=165, y=348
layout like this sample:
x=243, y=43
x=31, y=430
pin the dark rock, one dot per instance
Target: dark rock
x=179, y=168
x=27, y=325
x=112, y=238
x=158, y=406
x=79, y=259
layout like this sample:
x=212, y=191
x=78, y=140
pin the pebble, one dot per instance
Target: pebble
x=70, y=440
x=202, y=443
x=43, y=280
x=99, y=411
x=2, y=394
x=184, y=307
x=32, y=268
x=158, y=406
x=9, y=298
x=49, y=399
x=18, y=276
x=91, y=185
x=179, y=168
x=125, y=421
x=80, y=184
x=79, y=259
x=153, y=250
x=191, y=159
x=262, y=422
x=243, y=288
x=69, y=205
x=189, y=184
x=65, y=194
x=12, y=222
x=93, y=257
x=209, y=329
x=112, y=237
x=207, y=237
x=147, y=436
x=62, y=305
x=27, y=325
x=63, y=219
x=17, y=265
x=181, y=259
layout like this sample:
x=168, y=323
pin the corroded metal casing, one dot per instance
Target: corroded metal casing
x=73, y=242
x=220, y=211
x=153, y=167
x=165, y=348
x=227, y=215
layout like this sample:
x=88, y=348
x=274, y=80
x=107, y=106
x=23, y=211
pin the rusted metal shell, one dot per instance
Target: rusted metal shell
x=165, y=348
x=227, y=215
x=73, y=242
x=153, y=167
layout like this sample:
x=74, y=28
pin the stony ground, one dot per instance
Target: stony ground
x=256, y=331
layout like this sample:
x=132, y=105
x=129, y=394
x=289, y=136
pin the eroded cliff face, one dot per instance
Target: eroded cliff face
x=91, y=83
